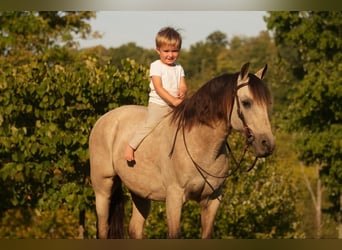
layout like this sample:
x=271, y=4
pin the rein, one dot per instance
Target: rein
x=250, y=139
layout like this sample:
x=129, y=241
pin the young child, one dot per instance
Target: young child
x=168, y=86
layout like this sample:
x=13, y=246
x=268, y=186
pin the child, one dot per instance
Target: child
x=168, y=86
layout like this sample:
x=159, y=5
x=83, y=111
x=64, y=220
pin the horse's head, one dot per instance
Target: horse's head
x=250, y=111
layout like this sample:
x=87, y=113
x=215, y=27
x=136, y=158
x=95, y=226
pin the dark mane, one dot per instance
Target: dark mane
x=213, y=101
x=208, y=104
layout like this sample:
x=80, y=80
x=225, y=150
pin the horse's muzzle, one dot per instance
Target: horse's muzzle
x=264, y=145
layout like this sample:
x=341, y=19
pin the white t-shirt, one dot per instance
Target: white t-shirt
x=170, y=76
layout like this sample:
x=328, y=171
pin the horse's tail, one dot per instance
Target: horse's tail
x=117, y=211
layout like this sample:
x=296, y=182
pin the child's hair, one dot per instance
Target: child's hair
x=168, y=36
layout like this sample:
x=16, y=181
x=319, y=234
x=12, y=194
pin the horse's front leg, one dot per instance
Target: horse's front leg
x=208, y=213
x=174, y=204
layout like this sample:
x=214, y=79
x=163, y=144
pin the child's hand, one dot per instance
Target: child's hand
x=177, y=102
x=181, y=95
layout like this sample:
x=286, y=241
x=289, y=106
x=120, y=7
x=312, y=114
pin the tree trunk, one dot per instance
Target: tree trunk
x=319, y=204
x=316, y=199
x=340, y=219
x=81, y=225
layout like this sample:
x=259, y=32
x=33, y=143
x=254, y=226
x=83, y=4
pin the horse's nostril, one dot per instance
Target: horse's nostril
x=268, y=145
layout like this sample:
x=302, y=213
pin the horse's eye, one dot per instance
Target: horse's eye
x=246, y=103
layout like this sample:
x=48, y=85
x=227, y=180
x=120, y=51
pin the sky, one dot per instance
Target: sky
x=121, y=27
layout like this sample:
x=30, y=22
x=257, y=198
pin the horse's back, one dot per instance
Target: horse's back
x=123, y=117
x=129, y=113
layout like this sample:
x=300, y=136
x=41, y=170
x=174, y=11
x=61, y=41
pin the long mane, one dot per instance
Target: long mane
x=214, y=100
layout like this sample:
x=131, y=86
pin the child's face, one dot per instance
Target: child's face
x=168, y=54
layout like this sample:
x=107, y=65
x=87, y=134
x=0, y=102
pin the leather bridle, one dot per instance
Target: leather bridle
x=248, y=132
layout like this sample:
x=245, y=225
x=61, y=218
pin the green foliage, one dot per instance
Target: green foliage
x=200, y=62
x=25, y=34
x=261, y=203
x=49, y=224
x=46, y=116
x=219, y=55
x=131, y=50
x=316, y=93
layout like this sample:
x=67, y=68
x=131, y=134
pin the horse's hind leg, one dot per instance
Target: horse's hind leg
x=103, y=189
x=141, y=209
x=208, y=213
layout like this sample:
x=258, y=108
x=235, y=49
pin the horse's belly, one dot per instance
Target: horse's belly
x=143, y=181
x=148, y=192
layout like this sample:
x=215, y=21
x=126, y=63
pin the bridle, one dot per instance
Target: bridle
x=249, y=140
x=249, y=135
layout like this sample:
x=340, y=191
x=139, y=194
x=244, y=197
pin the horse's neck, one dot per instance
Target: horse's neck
x=206, y=142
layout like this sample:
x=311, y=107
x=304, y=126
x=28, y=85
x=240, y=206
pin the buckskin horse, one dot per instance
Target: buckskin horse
x=184, y=158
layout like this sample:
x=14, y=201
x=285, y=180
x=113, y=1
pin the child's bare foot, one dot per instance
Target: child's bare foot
x=129, y=153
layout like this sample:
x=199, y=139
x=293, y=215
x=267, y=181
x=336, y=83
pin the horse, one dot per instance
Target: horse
x=184, y=158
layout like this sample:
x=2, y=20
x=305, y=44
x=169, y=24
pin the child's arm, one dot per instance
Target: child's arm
x=182, y=88
x=163, y=93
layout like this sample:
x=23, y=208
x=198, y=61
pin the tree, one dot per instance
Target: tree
x=201, y=63
x=217, y=38
x=25, y=35
x=310, y=45
x=131, y=50
x=258, y=50
x=29, y=47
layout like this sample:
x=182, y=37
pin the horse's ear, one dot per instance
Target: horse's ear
x=261, y=73
x=243, y=76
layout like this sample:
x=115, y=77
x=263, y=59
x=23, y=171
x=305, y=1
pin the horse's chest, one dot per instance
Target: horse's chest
x=206, y=182
x=203, y=187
